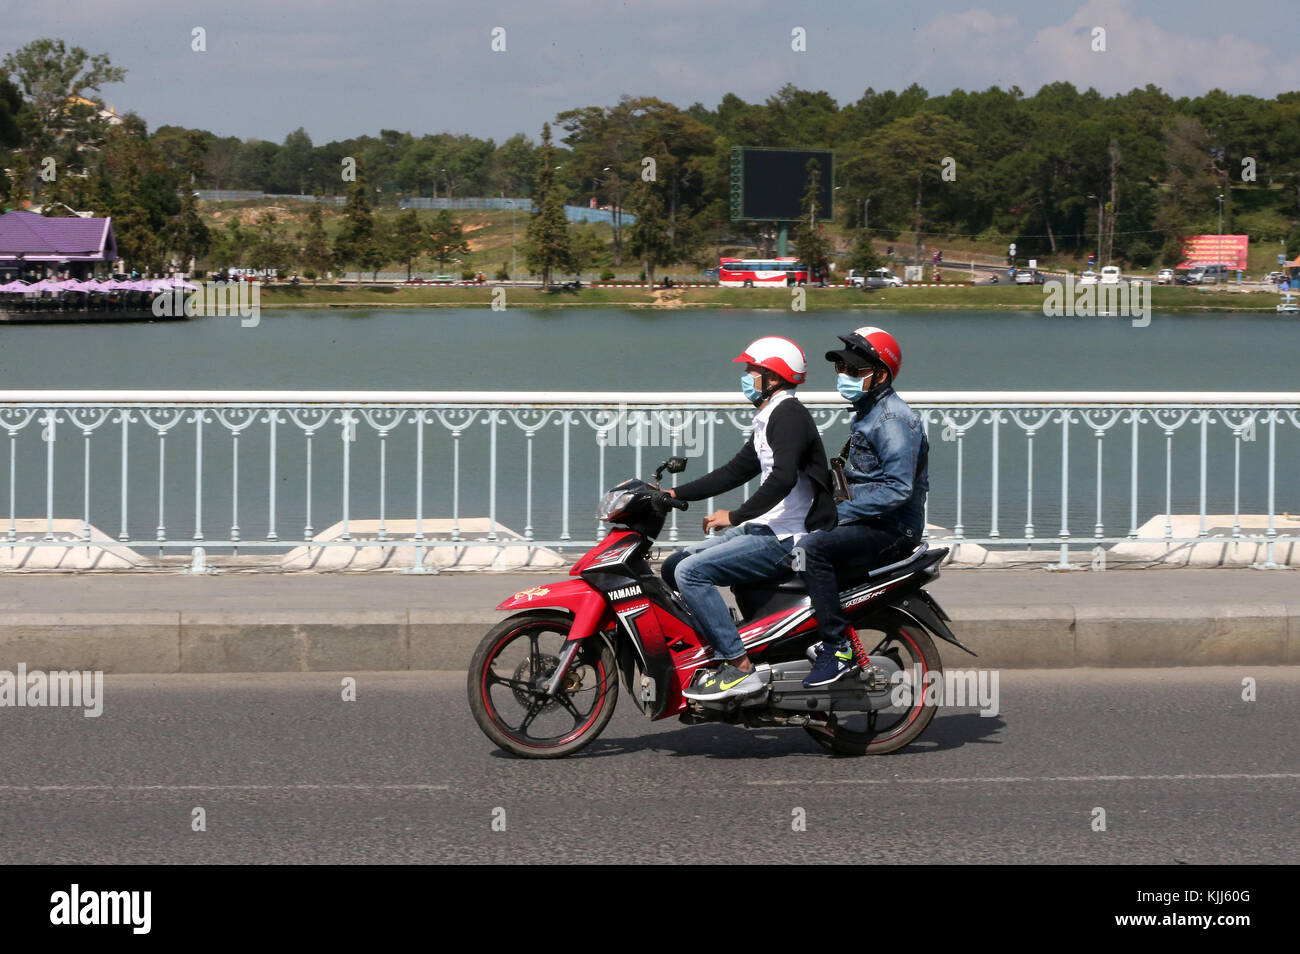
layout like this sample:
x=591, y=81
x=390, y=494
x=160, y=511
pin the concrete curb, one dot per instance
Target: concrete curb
x=1047, y=636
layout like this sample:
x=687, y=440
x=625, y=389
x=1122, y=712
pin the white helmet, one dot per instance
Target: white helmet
x=781, y=356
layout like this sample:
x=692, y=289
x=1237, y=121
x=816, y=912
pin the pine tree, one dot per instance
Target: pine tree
x=864, y=258
x=810, y=242
x=357, y=243
x=547, y=249
x=187, y=235
x=316, y=253
x=446, y=239
x=409, y=239
x=648, y=237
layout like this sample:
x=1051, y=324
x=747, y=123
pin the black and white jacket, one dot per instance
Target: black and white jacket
x=796, y=450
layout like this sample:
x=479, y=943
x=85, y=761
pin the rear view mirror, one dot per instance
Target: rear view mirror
x=674, y=465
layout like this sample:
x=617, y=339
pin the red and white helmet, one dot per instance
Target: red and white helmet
x=872, y=345
x=781, y=356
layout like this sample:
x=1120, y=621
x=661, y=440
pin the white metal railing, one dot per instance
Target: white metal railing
x=534, y=460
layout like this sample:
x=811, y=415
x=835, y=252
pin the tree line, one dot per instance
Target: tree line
x=1058, y=172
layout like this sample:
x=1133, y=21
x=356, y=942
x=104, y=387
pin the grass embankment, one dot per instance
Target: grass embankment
x=1020, y=298
x=492, y=235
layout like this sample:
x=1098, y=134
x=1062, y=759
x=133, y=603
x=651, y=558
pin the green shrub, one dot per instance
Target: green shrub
x=1262, y=226
x=607, y=276
x=1139, y=253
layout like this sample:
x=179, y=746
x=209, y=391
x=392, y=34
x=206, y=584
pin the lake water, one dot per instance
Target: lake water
x=597, y=349
x=611, y=350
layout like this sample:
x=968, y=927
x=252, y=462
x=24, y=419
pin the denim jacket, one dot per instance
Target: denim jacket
x=887, y=465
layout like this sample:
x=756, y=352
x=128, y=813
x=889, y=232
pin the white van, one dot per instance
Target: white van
x=876, y=278
x=1110, y=275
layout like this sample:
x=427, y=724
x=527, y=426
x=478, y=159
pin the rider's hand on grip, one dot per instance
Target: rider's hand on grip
x=663, y=501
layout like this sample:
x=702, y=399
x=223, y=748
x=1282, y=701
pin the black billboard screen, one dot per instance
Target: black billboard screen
x=773, y=182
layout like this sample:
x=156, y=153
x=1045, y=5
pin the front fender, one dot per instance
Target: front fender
x=587, y=606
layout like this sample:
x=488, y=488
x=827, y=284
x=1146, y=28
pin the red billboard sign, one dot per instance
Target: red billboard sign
x=1227, y=250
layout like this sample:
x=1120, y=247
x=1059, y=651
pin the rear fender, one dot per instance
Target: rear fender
x=922, y=607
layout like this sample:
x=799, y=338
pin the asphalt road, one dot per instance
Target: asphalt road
x=1186, y=771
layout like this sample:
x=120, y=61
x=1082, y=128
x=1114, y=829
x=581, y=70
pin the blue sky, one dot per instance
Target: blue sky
x=341, y=68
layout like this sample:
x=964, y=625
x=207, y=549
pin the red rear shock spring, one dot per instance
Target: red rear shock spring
x=859, y=653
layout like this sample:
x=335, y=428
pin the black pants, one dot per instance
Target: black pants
x=845, y=546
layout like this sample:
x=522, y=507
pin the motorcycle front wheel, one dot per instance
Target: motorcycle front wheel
x=886, y=730
x=508, y=673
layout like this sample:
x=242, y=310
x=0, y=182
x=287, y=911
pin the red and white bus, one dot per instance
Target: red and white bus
x=744, y=272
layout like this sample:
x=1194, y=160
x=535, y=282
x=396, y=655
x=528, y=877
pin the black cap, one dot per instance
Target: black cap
x=858, y=354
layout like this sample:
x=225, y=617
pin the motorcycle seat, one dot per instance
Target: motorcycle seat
x=783, y=592
x=850, y=575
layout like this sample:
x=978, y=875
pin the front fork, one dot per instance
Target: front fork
x=566, y=658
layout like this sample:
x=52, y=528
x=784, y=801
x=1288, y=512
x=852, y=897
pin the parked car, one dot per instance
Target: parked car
x=1275, y=277
x=1165, y=276
x=1207, y=274
x=1088, y=278
x=1110, y=275
x=882, y=278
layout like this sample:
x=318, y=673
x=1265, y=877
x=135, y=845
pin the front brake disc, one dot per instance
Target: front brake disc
x=525, y=698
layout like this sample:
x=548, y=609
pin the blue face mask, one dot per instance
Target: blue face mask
x=747, y=385
x=850, y=388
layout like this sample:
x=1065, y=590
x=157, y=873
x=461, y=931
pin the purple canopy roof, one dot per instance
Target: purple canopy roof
x=38, y=238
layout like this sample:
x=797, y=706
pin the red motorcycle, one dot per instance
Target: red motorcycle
x=544, y=682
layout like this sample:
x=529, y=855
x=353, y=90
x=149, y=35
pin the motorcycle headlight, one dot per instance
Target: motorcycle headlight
x=613, y=504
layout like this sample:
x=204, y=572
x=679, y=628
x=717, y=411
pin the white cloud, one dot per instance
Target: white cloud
x=1140, y=50
x=976, y=42
x=977, y=48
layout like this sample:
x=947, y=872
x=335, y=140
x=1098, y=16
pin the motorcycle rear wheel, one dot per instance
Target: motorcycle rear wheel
x=506, y=675
x=859, y=734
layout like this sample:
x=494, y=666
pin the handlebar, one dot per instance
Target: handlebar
x=663, y=501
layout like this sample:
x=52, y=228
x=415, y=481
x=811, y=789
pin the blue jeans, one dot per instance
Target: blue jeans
x=744, y=554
